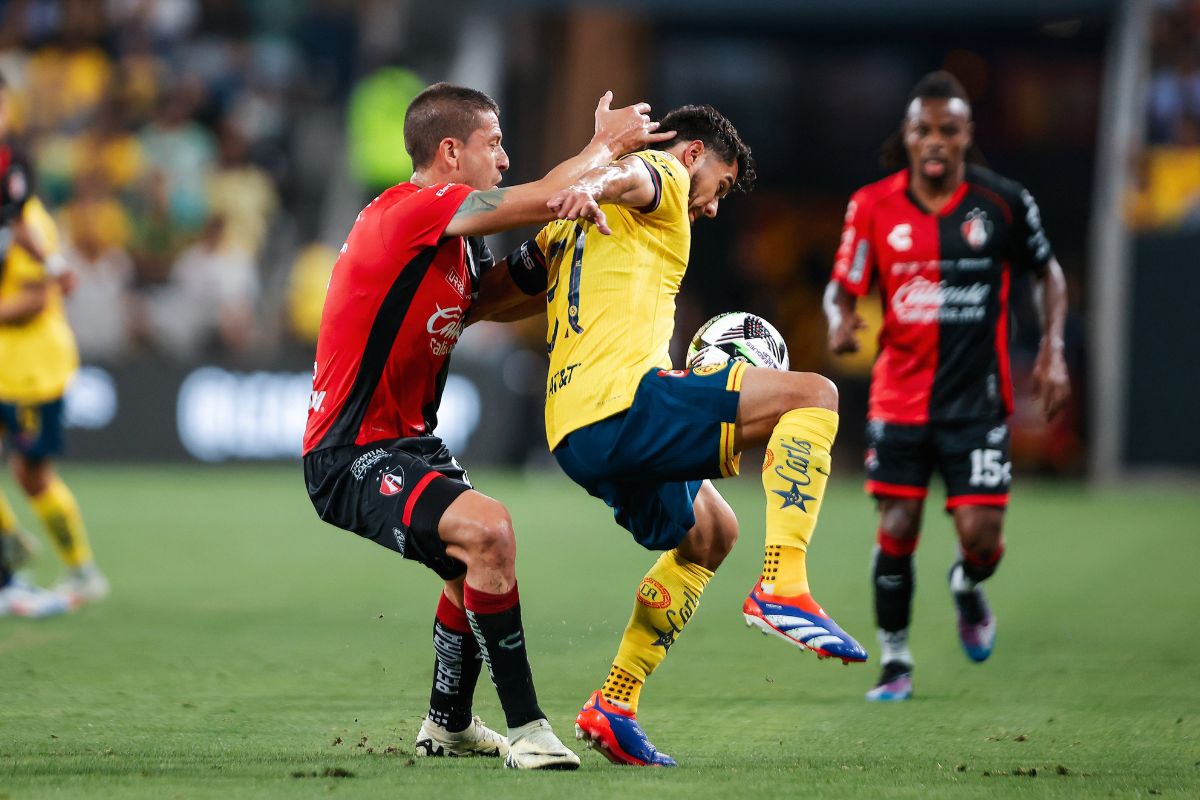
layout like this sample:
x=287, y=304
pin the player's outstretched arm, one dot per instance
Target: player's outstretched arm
x=1051, y=383
x=841, y=311
x=618, y=131
x=625, y=183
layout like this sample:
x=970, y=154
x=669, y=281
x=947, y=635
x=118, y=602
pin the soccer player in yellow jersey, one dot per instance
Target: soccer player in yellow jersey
x=644, y=437
x=37, y=359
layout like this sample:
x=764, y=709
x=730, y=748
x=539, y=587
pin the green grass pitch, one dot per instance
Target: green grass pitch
x=250, y=651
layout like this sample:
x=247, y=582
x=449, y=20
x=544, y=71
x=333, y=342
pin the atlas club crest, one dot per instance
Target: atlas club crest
x=977, y=229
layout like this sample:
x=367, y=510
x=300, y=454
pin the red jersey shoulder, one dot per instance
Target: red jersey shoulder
x=417, y=216
x=868, y=197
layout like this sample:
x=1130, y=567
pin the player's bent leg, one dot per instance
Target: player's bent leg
x=795, y=415
x=893, y=577
x=59, y=513
x=667, y=599
x=478, y=531
x=980, y=532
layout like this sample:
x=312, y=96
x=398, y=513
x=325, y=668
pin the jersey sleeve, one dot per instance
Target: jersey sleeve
x=670, y=188
x=1030, y=248
x=854, y=266
x=420, y=219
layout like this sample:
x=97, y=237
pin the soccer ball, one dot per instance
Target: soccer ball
x=738, y=336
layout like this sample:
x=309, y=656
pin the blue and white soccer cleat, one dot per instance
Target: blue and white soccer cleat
x=801, y=621
x=976, y=623
x=615, y=733
x=895, y=684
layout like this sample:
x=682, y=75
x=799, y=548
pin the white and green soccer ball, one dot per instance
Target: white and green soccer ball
x=738, y=336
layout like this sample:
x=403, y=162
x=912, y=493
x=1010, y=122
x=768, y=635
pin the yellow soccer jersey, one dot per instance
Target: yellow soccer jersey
x=37, y=358
x=612, y=300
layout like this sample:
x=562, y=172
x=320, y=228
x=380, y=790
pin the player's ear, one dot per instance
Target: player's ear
x=448, y=149
x=693, y=152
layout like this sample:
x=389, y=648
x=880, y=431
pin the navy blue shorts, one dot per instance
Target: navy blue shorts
x=35, y=430
x=648, y=463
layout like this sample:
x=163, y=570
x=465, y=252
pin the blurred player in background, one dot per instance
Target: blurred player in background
x=645, y=438
x=37, y=359
x=942, y=238
x=411, y=275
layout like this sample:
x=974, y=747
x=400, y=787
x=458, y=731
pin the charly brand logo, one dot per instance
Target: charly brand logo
x=794, y=470
x=653, y=594
x=768, y=460
x=401, y=541
x=977, y=229
x=672, y=373
x=364, y=462
x=446, y=325
x=676, y=619
x=391, y=482
x=921, y=301
x=900, y=239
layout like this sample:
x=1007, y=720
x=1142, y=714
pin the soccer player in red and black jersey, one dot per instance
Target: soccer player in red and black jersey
x=410, y=276
x=943, y=239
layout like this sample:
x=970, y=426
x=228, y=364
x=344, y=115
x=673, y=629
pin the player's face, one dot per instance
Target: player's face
x=712, y=179
x=482, y=159
x=937, y=133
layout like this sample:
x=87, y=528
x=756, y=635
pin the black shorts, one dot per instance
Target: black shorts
x=393, y=493
x=972, y=456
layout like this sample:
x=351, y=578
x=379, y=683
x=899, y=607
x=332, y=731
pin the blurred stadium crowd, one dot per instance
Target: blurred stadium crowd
x=163, y=137
x=1166, y=183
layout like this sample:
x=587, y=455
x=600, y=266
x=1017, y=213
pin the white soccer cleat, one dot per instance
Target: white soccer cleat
x=82, y=585
x=22, y=599
x=476, y=740
x=534, y=746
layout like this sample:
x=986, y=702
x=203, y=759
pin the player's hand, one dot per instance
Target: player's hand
x=628, y=129
x=843, y=335
x=1051, y=383
x=576, y=203
x=67, y=281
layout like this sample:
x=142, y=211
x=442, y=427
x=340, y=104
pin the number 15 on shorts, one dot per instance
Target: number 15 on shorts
x=987, y=468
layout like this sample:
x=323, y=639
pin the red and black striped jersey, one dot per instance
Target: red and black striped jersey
x=944, y=280
x=397, y=302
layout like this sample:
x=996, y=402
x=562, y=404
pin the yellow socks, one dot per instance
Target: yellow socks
x=795, y=471
x=8, y=517
x=667, y=598
x=785, y=572
x=59, y=513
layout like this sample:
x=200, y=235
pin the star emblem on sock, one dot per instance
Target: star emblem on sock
x=665, y=639
x=794, y=497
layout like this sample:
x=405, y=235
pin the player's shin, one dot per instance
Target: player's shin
x=59, y=513
x=894, y=578
x=456, y=667
x=795, y=471
x=977, y=567
x=666, y=599
x=495, y=620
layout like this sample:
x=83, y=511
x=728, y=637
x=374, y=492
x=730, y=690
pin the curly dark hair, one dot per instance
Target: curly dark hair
x=439, y=111
x=938, y=85
x=718, y=134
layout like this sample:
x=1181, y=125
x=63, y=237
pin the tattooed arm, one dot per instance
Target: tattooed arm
x=618, y=131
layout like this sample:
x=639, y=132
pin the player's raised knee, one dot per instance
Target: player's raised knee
x=811, y=390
